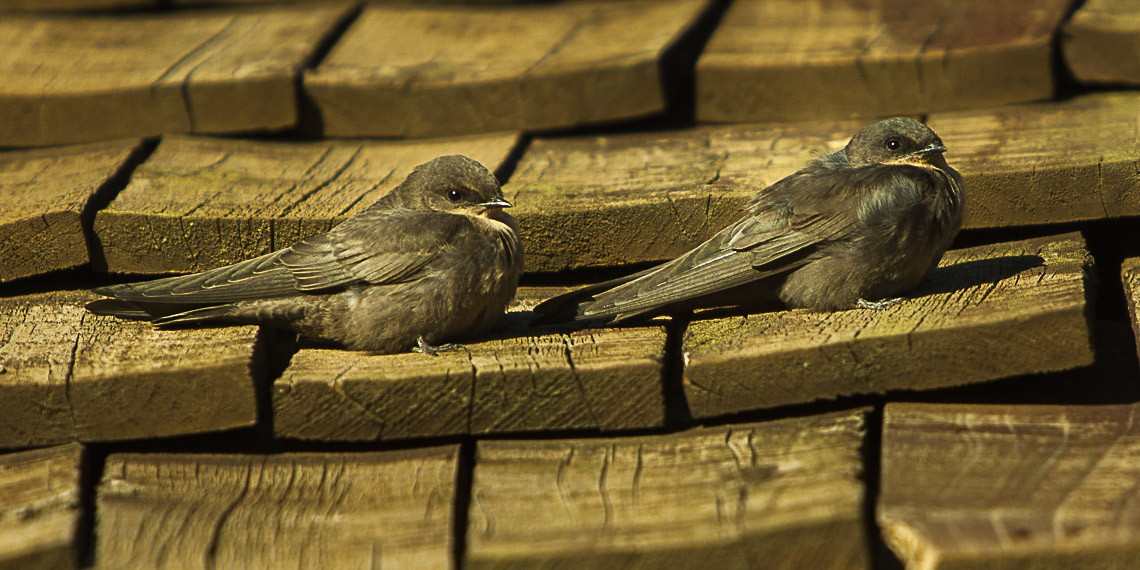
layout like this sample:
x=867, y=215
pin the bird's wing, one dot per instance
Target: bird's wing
x=787, y=223
x=385, y=249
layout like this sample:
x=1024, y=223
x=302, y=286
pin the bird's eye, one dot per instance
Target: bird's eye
x=454, y=195
x=893, y=144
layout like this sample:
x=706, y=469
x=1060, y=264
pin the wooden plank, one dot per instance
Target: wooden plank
x=200, y=203
x=330, y=510
x=1101, y=42
x=67, y=375
x=610, y=200
x=987, y=312
x=523, y=381
x=1010, y=486
x=73, y=5
x=414, y=71
x=1068, y=161
x=39, y=508
x=1130, y=276
x=780, y=60
x=782, y=494
x=47, y=195
x=86, y=77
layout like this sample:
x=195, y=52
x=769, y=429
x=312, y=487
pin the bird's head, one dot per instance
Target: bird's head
x=454, y=184
x=898, y=140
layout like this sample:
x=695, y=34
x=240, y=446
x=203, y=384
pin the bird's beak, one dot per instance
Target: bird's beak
x=933, y=148
x=498, y=202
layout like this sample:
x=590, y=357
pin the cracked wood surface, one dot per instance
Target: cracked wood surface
x=200, y=202
x=1047, y=163
x=68, y=375
x=600, y=201
x=46, y=196
x=85, y=77
x=783, y=494
x=39, y=508
x=780, y=60
x=416, y=71
x=1001, y=486
x=1101, y=42
x=526, y=380
x=296, y=510
x=1130, y=277
x=987, y=312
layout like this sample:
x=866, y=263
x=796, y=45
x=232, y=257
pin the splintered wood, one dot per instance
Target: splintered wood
x=1130, y=276
x=360, y=510
x=1047, y=163
x=1010, y=486
x=39, y=508
x=82, y=77
x=528, y=380
x=1102, y=42
x=416, y=71
x=200, y=203
x=612, y=200
x=781, y=494
x=987, y=312
x=47, y=193
x=780, y=60
x=67, y=375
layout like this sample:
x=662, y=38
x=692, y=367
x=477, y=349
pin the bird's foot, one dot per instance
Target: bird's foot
x=424, y=348
x=878, y=305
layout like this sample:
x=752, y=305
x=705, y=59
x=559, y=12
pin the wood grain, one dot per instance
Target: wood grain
x=987, y=312
x=87, y=77
x=334, y=510
x=47, y=193
x=1010, y=486
x=414, y=71
x=201, y=202
x=780, y=60
x=586, y=201
x=39, y=508
x=1101, y=42
x=1130, y=277
x=783, y=494
x=526, y=380
x=1047, y=163
x=67, y=375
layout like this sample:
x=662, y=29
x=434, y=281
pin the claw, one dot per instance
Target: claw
x=423, y=347
x=878, y=305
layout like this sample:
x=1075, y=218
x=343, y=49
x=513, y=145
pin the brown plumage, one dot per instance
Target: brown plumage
x=863, y=224
x=434, y=260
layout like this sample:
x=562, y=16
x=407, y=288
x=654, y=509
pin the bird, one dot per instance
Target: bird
x=434, y=260
x=853, y=229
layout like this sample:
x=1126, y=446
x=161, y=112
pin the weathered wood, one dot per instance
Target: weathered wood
x=199, y=202
x=67, y=375
x=73, y=5
x=968, y=486
x=782, y=494
x=528, y=380
x=39, y=508
x=360, y=510
x=1130, y=276
x=83, y=78
x=46, y=194
x=987, y=312
x=419, y=71
x=779, y=60
x=1049, y=163
x=612, y=200
x=1101, y=42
